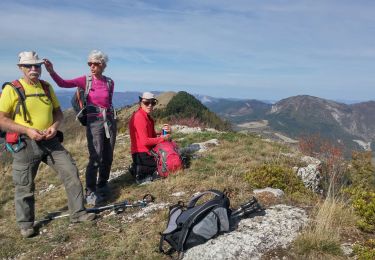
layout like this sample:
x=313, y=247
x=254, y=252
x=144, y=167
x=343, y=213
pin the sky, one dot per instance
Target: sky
x=266, y=50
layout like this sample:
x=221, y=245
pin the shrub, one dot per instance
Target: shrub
x=275, y=176
x=364, y=205
x=365, y=251
x=334, y=168
x=362, y=190
x=362, y=172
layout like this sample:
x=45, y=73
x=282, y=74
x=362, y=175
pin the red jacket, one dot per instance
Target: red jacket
x=142, y=132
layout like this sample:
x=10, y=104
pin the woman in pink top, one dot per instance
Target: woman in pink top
x=101, y=125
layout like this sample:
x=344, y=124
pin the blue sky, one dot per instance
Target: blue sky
x=222, y=48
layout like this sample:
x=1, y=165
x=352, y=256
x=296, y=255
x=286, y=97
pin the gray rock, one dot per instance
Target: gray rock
x=199, y=147
x=347, y=249
x=310, y=176
x=276, y=192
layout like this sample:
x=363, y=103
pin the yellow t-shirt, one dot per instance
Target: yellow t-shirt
x=39, y=108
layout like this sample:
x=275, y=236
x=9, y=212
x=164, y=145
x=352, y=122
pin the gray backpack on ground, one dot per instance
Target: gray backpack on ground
x=195, y=224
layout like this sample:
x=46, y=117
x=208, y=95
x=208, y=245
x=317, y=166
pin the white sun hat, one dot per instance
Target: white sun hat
x=29, y=57
x=148, y=95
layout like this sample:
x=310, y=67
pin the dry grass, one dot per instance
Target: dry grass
x=110, y=238
x=333, y=221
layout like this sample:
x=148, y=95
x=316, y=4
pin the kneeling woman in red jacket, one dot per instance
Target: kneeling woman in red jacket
x=143, y=138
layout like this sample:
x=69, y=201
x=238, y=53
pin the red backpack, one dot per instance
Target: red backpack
x=167, y=158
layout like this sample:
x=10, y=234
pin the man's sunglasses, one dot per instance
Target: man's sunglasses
x=149, y=102
x=29, y=66
x=93, y=63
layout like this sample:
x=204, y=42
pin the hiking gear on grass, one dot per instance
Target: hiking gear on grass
x=116, y=207
x=79, y=99
x=121, y=206
x=84, y=218
x=168, y=160
x=28, y=232
x=195, y=224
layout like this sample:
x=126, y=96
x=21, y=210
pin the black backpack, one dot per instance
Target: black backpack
x=196, y=224
x=79, y=99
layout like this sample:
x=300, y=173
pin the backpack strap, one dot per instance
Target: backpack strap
x=46, y=88
x=87, y=89
x=195, y=199
x=185, y=229
x=18, y=88
x=110, y=89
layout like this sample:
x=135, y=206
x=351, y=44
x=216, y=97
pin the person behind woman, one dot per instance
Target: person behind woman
x=143, y=138
x=101, y=125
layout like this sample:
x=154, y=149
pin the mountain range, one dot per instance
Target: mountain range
x=352, y=125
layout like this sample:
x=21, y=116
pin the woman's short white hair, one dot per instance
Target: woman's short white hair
x=96, y=55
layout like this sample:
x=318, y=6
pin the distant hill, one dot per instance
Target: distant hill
x=352, y=125
x=309, y=114
x=239, y=111
x=184, y=107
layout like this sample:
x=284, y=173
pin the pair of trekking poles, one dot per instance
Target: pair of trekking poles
x=247, y=209
x=116, y=207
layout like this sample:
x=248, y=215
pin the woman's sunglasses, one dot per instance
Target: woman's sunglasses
x=93, y=63
x=29, y=66
x=149, y=102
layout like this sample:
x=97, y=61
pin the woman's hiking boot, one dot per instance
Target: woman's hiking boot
x=103, y=191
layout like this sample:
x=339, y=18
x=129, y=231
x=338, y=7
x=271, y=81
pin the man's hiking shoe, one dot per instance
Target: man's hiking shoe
x=94, y=199
x=27, y=232
x=103, y=191
x=84, y=218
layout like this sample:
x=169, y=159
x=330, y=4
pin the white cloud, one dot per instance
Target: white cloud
x=207, y=43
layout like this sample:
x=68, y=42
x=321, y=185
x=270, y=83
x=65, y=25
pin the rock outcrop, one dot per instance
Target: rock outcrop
x=254, y=236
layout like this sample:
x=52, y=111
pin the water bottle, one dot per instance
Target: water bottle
x=164, y=132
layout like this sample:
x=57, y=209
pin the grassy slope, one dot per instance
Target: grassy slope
x=110, y=237
x=223, y=167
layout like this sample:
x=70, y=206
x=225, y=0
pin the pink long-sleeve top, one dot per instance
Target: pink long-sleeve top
x=98, y=96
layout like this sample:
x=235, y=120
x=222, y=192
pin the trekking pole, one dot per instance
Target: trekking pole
x=121, y=206
x=116, y=207
x=247, y=208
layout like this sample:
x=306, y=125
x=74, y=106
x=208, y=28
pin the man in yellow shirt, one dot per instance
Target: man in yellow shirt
x=37, y=127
